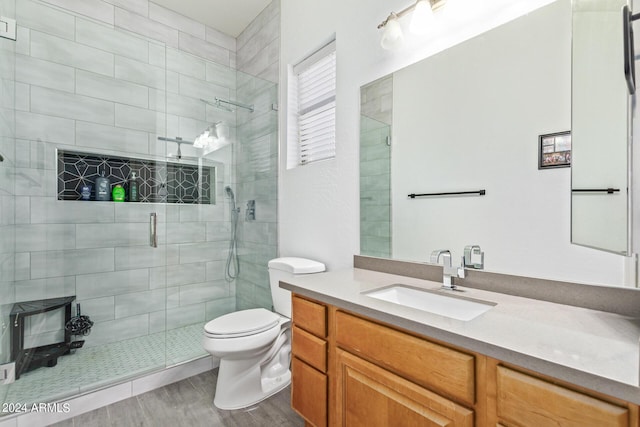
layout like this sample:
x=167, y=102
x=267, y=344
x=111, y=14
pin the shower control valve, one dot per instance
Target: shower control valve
x=250, y=214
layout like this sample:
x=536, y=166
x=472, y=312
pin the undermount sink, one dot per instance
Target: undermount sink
x=435, y=302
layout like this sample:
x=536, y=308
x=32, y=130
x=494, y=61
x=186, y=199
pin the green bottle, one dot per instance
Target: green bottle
x=118, y=193
x=133, y=188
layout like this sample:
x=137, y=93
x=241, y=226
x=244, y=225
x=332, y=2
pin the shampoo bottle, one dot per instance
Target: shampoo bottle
x=103, y=188
x=133, y=188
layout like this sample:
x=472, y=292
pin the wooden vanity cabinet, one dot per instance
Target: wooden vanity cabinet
x=349, y=370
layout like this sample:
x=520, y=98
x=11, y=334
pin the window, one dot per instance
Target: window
x=312, y=105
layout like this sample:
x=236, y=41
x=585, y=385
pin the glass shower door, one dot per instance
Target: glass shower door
x=7, y=191
x=83, y=293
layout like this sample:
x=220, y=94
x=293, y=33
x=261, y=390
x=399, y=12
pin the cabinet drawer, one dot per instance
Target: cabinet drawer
x=528, y=401
x=310, y=349
x=309, y=393
x=431, y=365
x=310, y=316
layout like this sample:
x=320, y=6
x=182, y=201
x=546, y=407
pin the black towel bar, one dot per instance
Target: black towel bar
x=596, y=190
x=454, y=193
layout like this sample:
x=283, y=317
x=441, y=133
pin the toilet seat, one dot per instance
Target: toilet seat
x=242, y=323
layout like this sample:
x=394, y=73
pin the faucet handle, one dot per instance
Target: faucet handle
x=461, y=268
x=471, y=253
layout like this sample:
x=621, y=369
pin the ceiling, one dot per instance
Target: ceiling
x=229, y=16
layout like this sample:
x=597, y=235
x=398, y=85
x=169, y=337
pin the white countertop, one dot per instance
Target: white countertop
x=593, y=349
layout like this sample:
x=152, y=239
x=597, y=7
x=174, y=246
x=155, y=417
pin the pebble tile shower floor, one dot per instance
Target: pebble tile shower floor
x=93, y=367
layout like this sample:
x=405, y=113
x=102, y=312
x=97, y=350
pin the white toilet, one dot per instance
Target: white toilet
x=254, y=346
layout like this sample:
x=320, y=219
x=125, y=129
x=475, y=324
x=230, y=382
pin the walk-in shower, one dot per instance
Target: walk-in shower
x=103, y=99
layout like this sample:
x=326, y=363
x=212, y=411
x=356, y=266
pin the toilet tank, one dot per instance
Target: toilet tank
x=286, y=268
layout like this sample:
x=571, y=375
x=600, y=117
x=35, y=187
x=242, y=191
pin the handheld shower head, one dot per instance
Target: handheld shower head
x=233, y=264
x=229, y=192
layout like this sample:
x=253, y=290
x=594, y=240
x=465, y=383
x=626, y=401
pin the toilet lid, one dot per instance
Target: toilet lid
x=242, y=323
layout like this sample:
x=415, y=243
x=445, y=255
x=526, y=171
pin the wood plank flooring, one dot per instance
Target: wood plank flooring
x=188, y=403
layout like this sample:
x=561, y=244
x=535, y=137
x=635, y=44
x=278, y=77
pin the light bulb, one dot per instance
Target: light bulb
x=422, y=20
x=392, y=36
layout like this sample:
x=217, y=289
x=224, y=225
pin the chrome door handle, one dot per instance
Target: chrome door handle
x=153, y=230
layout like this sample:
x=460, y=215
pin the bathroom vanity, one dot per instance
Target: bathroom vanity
x=358, y=360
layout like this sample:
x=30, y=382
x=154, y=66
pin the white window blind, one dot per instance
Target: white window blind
x=315, y=87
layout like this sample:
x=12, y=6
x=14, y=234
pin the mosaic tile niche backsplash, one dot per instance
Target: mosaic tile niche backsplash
x=158, y=182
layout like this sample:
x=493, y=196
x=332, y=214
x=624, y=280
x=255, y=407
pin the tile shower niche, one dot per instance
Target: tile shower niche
x=158, y=181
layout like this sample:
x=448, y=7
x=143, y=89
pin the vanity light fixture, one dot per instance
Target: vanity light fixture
x=422, y=21
x=206, y=138
x=213, y=137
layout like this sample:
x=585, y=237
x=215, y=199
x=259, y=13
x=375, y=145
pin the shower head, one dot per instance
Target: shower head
x=229, y=192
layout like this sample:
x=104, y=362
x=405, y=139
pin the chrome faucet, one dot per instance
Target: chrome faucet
x=448, y=271
x=471, y=253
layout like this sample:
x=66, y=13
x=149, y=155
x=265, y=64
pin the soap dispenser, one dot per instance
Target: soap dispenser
x=103, y=188
x=133, y=187
x=118, y=193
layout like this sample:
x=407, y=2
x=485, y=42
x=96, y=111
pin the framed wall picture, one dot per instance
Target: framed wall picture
x=554, y=150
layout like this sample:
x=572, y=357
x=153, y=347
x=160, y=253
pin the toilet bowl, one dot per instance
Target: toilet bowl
x=254, y=345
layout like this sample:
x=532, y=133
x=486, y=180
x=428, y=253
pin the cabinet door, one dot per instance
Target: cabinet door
x=309, y=393
x=370, y=396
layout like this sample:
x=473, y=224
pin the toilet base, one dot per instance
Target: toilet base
x=276, y=386
x=245, y=382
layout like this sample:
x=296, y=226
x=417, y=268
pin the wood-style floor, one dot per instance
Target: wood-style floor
x=188, y=403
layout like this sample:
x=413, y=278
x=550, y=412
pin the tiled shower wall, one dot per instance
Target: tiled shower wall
x=86, y=83
x=375, y=168
x=258, y=47
x=256, y=173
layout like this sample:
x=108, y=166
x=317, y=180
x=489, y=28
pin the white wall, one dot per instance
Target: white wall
x=318, y=204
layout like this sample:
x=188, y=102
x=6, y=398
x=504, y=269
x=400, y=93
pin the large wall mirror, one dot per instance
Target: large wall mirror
x=600, y=109
x=470, y=118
